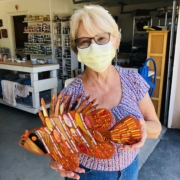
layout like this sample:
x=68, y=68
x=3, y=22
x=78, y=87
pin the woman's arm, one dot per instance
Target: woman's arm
x=152, y=123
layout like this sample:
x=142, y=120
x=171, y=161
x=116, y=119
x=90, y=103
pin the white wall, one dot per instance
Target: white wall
x=7, y=8
x=174, y=107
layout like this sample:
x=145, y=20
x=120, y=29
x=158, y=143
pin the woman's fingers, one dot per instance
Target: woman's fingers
x=141, y=142
x=55, y=165
x=58, y=167
x=79, y=170
x=69, y=174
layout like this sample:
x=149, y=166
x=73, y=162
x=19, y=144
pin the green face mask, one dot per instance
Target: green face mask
x=97, y=57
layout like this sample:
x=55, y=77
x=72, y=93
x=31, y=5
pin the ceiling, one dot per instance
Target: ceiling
x=120, y=2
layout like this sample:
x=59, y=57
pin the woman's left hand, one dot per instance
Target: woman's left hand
x=141, y=142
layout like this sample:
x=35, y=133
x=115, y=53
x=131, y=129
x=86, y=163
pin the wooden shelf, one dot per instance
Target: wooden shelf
x=57, y=46
x=67, y=70
x=34, y=21
x=58, y=57
x=56, y=22
x=60, y=34
x=37, y=32
x=39, y=54
x=59, y=22
x=37, y=43
x=63, y=46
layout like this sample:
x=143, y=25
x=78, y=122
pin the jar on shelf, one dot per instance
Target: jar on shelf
x=26, y=18
x=30, y=18
x=33, y=18
x=48, y=17
x=56, y=17
x=44, y=18
x=25, y=29
x=40, y=18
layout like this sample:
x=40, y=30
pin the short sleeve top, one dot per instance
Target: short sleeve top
x=134, y=88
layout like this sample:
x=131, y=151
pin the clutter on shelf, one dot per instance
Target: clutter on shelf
x=34, y=18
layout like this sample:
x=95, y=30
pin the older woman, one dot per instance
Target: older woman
x=95, y=38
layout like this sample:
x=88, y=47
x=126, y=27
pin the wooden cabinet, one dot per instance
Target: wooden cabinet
x=157, y=45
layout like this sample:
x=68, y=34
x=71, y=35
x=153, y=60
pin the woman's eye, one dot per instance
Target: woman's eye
x=84, y=42
x=102, y=39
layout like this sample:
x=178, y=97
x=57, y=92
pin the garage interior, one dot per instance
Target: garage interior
x=19, y=164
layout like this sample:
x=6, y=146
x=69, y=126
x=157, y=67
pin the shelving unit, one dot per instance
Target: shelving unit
x=140, y=19
x=139, y=48
x=37, y=32
x=62, y=51
x=34, y=21
x=39, y=39
x=166, y=13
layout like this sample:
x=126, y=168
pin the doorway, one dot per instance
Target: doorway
x=19, y=36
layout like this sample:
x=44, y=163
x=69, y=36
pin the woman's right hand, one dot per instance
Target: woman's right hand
x=70, y=174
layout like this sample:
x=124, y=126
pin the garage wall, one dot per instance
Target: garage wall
x=176, y=112
x=126, y=21
x=7, y=9
x=174, y=108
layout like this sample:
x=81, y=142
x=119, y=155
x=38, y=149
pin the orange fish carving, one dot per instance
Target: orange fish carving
x=71, y=129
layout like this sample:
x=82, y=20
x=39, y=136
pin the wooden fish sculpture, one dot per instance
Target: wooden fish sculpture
x=79, y=128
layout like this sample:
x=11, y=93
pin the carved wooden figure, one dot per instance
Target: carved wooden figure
x=71, y=129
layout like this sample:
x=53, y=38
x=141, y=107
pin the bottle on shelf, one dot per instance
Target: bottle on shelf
x=67, y=53
x=56, y=17
x=58, y=52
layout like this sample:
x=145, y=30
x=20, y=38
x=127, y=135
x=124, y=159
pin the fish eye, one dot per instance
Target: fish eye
x=34, y=138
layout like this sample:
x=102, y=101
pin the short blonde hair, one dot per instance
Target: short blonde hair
x=90, y=16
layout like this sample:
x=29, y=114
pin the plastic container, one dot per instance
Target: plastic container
x=34, y=61
x=49, y=61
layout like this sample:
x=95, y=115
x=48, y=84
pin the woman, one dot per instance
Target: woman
x=95, y=38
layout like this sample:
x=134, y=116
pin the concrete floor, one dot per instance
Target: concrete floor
x=20, y=164
x=164, y=162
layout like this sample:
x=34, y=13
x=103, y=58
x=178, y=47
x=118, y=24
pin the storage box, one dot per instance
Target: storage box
x=24, y=76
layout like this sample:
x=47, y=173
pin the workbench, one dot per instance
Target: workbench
x=36, y=85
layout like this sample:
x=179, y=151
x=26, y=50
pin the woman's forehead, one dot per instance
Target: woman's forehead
x=90, y=32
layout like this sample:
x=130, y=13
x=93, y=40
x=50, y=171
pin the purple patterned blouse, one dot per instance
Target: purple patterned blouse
x=134, y=87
